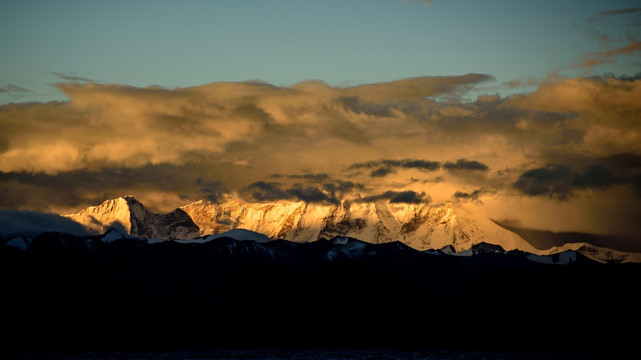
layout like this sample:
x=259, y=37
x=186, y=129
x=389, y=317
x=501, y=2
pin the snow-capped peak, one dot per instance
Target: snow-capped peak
x=129, y=216
x=110, y=214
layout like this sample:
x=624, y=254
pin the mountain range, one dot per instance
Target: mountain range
x=421, y=226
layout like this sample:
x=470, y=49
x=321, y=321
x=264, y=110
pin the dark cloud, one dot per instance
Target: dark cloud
x=329, y=192
x=267, y=191
x=622, y=161
x=381, y=168
x=552, y=180
x=338, y=188
x=29, y=223
x=594, y=176
x=311, y=177
x=310, y=194
x=25, y=190
x=212, y=190
x=270, y=191
x=406, y=197
x=409, y=197
x=635, y=179
x=561, y=180
x=387, y=166
x=403, y=163
x=382, y=171
x=69, y=77
x=474, y=195
x=464, y=164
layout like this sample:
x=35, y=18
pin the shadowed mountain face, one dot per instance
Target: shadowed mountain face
x=108, y=292
x=542, y=239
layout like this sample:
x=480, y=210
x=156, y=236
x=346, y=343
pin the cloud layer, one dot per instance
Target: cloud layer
x=571, y=142
x=30, y=224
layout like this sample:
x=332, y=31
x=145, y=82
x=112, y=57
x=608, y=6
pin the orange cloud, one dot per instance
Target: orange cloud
x=177, y=145
x=607, y=57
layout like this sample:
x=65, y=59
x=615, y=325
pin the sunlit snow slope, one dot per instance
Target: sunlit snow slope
x=421, y=226
x=128, y=214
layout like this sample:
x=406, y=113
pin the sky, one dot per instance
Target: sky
x=529, y=109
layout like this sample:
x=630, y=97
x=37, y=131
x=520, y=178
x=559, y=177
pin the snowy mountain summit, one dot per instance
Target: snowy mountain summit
x=128, y=215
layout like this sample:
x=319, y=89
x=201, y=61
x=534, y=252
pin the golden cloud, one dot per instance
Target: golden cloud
x=179, y=145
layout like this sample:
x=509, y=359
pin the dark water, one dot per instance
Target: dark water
x=299, y=354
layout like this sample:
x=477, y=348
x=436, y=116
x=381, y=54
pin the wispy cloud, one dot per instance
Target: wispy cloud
x=68, y=77
x=600, y=27
x=10, y=88
x=608, y=57
x=621, y=11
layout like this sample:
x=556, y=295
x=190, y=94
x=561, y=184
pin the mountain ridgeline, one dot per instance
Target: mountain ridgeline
x=117, y=292
x=419, y=226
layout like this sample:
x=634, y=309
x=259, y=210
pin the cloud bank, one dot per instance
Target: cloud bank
x=30, y=224
x=572, y=142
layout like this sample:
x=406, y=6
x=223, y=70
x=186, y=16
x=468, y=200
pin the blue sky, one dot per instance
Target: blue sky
x=187, y=43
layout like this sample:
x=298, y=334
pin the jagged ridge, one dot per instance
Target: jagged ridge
x=419, y=226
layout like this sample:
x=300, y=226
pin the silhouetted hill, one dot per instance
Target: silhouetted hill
x=73, y=292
